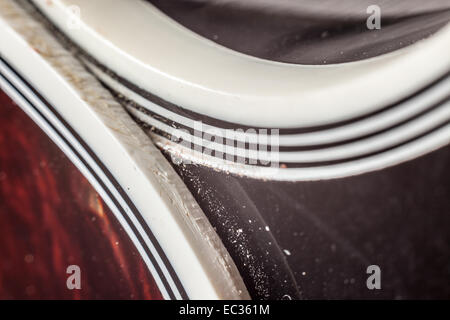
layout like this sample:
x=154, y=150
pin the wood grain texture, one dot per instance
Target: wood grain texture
x=51, y=217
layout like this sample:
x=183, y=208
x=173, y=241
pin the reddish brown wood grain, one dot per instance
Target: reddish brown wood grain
x=51, y=217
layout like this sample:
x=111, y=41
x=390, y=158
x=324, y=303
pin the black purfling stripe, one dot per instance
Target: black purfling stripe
x=204, y=118
x=176, y=125
x=318, y=163
x=37, y=14
x=115, y=184
x=100, y=182
x=326, y=163
x=194, y=116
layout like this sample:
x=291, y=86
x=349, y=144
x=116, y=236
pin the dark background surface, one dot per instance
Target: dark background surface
x=309, y=31
x=397, y=218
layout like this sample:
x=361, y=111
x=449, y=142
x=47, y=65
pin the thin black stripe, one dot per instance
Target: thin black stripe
x=213, y=153
x=327, y=163
x=194, y=116
x=92, y=172
x=68, y=43
x=113, y=181
x=246, y=145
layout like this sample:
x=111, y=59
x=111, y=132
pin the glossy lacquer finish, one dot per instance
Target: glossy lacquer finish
x=51, y=217
x=310, y=32
x=316, y=239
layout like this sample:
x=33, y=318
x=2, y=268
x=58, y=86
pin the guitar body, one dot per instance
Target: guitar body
x=212, y=150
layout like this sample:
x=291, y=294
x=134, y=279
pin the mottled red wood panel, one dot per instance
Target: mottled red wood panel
x=51, y=217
